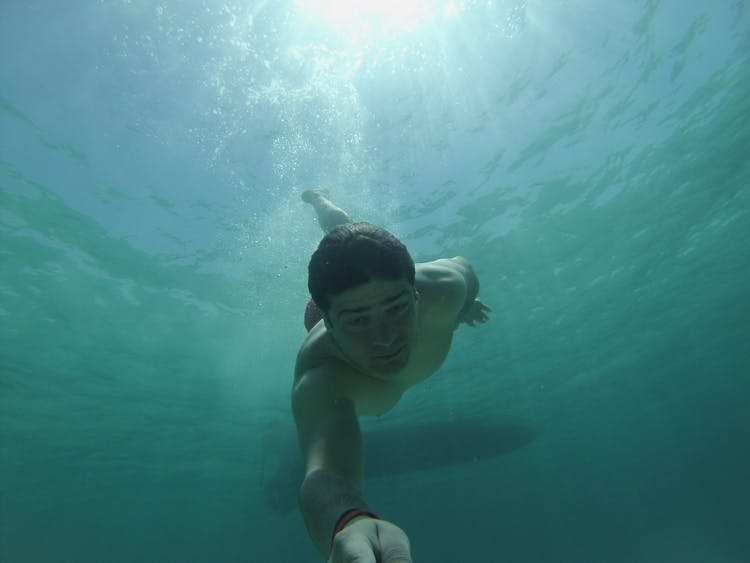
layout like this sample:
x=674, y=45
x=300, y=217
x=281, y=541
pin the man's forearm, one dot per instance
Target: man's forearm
x=324, y=496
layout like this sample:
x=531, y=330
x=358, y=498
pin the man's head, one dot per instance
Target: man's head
x=362, y=278
x=353, y=254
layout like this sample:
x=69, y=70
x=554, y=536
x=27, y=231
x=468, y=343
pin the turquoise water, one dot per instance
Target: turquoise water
x=590, y=158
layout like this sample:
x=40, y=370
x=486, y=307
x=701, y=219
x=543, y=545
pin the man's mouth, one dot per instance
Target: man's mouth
x=389, y=355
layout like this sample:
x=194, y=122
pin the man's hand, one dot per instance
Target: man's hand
x=367, y=540
x=475, y=313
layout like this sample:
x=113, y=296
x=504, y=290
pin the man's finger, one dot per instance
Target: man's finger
x=398, y=554
x=396, y=547
x=347, y=549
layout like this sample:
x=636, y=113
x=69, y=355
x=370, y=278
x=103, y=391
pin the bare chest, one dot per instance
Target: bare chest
x=375, y=397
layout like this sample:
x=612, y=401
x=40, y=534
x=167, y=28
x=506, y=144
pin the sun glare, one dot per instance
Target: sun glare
x=358, y=20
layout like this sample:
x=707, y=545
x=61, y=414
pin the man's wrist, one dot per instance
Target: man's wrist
x=348, y=516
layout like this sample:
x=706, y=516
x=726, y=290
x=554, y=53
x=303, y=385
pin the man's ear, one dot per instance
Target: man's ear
x=416, y=295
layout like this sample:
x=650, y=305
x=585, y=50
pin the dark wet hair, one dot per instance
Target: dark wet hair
x=352, y=254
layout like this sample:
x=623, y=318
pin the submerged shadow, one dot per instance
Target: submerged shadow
x=400, y=450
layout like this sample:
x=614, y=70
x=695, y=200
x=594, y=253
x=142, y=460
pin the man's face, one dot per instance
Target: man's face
x=374, y=324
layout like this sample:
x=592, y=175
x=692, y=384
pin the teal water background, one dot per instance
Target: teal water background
x=590, y=158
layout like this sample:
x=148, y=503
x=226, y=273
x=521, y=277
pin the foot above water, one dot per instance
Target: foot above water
x=309, y=196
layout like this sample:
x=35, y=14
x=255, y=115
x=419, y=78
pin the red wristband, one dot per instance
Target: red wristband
x=349, y=515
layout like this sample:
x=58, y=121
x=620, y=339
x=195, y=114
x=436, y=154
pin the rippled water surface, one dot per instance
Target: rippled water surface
x=590, y=158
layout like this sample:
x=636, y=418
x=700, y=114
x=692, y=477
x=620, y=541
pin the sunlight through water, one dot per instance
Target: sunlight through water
x=361, y=21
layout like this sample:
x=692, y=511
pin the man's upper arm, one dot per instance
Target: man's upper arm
x=327, y=427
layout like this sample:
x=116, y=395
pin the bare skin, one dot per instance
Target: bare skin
x=376, y=341
x=329, y=215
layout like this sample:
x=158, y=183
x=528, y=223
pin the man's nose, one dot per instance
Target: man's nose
x=385, y=333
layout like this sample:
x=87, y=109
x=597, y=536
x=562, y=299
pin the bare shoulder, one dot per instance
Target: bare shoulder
x=319, y=367
x=312, y=389
x=317, y=386
x=442, y=286
x=443, y=269
x=323, y=378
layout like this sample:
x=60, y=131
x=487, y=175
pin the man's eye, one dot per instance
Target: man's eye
x=399, y=307
x=356, y=321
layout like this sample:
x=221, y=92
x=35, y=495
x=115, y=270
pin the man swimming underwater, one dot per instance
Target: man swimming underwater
x=378, y=324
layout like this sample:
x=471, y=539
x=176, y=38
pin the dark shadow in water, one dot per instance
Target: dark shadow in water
x=395, y=451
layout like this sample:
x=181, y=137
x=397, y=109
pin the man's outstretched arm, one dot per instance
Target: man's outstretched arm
x=331, y=444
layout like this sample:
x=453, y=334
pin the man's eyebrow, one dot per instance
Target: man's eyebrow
x=385, y=301
x=396, y=297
